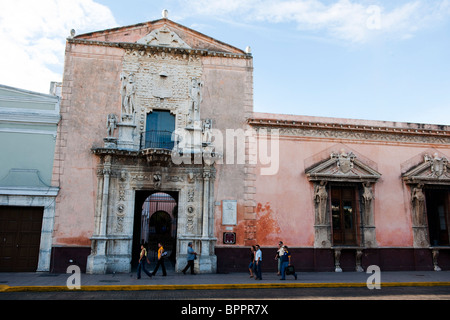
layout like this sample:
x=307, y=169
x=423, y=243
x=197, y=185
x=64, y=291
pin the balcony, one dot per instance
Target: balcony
x=157, y=139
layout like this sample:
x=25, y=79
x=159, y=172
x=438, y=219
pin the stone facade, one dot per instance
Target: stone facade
x=341, y=193
x=104, y=156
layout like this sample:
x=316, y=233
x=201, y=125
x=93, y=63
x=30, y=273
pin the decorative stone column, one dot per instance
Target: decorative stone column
x=208, y=261
x=96, y=262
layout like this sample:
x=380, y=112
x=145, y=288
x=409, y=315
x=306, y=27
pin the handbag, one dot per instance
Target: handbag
x=290, y=270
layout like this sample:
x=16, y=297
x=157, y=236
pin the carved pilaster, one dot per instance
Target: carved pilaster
x=420, y=229
x=368, y=223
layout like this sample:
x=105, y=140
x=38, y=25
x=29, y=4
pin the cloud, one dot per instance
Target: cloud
x=33, y=36
x=347, y=20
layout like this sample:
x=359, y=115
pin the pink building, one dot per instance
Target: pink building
x=159, y=109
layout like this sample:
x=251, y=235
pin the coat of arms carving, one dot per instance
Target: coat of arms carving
x=344, y=161
x=438, y=164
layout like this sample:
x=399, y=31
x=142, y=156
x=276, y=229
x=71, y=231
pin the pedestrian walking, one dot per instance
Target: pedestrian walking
x=142, y=261
x=258, y=261
x=191, y=256
x=160, y=262
x=278, y=256
x=286, y=264
x=251, y=266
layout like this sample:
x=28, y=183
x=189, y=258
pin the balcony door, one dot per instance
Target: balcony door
x=159, y=128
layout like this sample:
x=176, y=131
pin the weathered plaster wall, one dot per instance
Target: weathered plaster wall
x=90, y=91
x=288, y=195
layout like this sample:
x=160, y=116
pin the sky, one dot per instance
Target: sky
x=360, y=59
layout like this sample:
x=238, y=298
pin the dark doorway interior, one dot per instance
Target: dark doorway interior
x=437, y=201
x=155, y=220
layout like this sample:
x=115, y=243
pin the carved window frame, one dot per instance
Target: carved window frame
x=340, y=169
x=432, y=172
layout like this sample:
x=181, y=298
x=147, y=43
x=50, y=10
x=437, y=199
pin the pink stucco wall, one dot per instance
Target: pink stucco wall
x=288, y=195
x=90, y=92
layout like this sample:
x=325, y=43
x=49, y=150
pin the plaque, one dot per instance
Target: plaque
x=229, y=212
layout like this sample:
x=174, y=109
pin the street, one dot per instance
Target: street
x=386, y=293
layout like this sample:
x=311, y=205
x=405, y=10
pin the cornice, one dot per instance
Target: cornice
x=353, y=131
x=152, y=48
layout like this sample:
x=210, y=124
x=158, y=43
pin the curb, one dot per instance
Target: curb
x=6, y=288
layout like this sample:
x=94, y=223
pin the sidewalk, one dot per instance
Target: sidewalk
x=38, y=281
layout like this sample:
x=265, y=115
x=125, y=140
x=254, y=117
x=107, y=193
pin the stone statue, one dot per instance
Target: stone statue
x=111, y=124
x=207, y=134
x=195, y=95
x=367, y=199
x=418, y=203
x=320, y=197
x=128, y=94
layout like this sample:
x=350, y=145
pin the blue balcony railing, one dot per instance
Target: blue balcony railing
x=157, y=139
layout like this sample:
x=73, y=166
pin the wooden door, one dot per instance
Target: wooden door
x=343, y=213
x=20, y=237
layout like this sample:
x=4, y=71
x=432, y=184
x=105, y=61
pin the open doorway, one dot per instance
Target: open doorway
x=156, y=215
x=437, y=201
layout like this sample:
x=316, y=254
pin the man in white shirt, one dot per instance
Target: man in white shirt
x=258, y=260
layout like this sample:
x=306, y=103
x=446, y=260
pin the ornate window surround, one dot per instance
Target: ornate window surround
x=432, y=171
x=342, y=168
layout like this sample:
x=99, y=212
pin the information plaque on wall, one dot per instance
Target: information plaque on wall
x=229, y=212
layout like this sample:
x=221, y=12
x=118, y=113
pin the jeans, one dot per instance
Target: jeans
x=258, y=270
x=142, y=265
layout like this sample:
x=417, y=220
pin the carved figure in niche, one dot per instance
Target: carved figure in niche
x=111, y=124
x=123, y=90
x=320, y=197
x=418, y=203
x=367, y=199
x=128, y=93
x=195, y=94
x=207, y=134
x=191, y=177
x=157, y=179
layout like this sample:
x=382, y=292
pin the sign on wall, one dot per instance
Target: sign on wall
x=229, y=212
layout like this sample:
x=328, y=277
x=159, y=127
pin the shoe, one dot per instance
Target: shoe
x=184, y=272
x=295, y=276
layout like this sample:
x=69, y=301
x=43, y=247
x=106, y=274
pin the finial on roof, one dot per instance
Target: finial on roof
x=248, y=50
x=72, y=33
x=165, y=13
